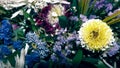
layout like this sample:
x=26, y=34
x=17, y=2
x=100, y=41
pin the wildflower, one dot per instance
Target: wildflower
x=95, y=34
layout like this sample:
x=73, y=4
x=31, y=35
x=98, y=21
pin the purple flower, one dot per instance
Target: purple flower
x=108, y=7
x=99, y=4
x=113, y=50
x=103, y=4
x=15, y=26
x=54, y=58
x=92, y=16
x=57, y=48
x=83, y=18
x=74, y=18
x=110, y=13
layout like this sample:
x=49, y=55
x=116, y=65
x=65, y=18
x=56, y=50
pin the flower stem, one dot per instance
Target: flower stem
x=106, y=63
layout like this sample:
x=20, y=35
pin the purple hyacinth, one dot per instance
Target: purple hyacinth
x=54, y=58
x=64, y=44
x=92, y=16
x=74, y=18
x=112, y=51
x=103, y=4
x=83, y=18
x=57, y=48
x=99, y=4
x=108, y=7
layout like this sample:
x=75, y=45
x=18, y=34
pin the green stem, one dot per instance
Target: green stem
x=105, y=62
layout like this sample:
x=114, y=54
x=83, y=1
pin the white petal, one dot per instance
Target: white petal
x=16, y=13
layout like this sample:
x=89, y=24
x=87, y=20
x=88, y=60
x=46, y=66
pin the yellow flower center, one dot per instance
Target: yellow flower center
x=94, y=34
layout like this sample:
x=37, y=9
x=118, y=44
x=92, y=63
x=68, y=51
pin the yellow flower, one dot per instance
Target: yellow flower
x=95, y=35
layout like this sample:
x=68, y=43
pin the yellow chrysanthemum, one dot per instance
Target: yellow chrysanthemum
x=94, y=34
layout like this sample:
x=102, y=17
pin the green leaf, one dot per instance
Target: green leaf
x=95, y=61
x=112, y=16
x=101, y=65
x=113, y=21
x=73, y=4
x=83, y=6
x=51, y=64
x=2, y=10
x=49, y=39
x=77, y=59
x=30, y=18
x=63, y=21
x=91, y=60
x=19, y=34
x=11, y=58
x=36, y=65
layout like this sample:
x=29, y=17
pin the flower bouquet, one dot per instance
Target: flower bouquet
x=59, y=33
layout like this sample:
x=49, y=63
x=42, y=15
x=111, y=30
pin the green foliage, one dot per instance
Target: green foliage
x=83, y=6
x=11, y=58
x=19, y=33
x=77, y=59
x=30, y=18
x=2, y=10
x=63, y=21
x=96, y=62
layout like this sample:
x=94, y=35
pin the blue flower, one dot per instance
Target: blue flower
x=4, y=51
x=18, y=44
x=6, y=32
x=31, y=59
x=31, y=37
x=40, y=46
x=42, y=51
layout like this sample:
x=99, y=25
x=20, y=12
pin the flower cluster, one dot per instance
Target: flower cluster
x=5, y=32
x=59, y=33
x=37, y=44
